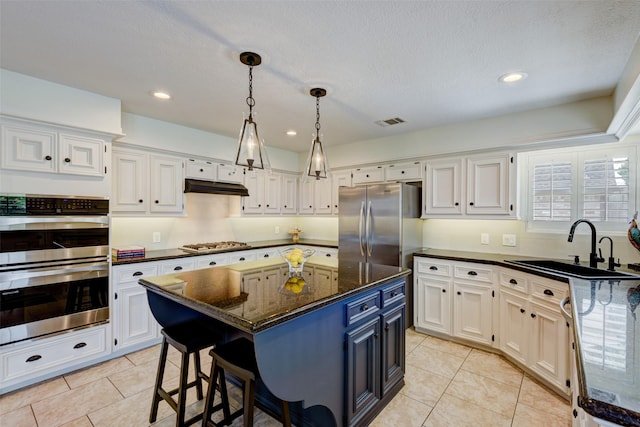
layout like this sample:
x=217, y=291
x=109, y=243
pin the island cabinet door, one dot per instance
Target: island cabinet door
x=363, y=370
x=393, y=347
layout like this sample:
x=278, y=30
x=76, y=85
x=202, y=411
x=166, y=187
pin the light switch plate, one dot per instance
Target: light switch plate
x=156, y=237
x=508, y=240
x=484, y=238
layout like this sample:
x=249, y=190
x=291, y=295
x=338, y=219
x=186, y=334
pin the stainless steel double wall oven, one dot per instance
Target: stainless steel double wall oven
x=54, y=268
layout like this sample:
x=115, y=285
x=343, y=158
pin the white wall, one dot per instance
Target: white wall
x=31, y=98
x=513, y=131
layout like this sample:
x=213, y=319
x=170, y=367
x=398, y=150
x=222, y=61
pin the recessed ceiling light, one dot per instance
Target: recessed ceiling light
x=512, y=77
x=292, y=133
x=161, y=95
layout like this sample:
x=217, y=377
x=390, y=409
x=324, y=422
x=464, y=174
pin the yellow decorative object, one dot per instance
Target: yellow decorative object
x=296, y=258
x=295, y=234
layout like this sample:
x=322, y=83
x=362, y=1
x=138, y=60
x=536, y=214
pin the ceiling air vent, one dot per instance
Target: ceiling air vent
x=390, y=122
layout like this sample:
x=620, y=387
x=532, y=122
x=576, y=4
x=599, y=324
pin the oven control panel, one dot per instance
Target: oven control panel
x=21, y=205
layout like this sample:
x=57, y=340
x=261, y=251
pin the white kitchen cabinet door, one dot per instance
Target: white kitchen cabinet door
x=472, y=312
x=254, y=203
x=272, y=194
x=166, y=184
x=230, y=173
x=322, y=196
x=488, y=185
x=403, y=172
x=443, y=190
x=29, y=149
x=514, y=330
x=338, y=179
x=368, y=175
x=80, y=155
x=549, y=344
x=433, y=303
x=199, y=169
x=306, y=197
x=289, y=194
x=135, y=324
x=129, y=182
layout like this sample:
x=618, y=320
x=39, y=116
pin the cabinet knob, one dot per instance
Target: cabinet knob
x=259, y=205
x=327, y=255
x=67, y=160
x=444, y=291
x=266, y=256
x=394, y=293
x=177, y=268
x=459, y=293
x=201, y=170
x=548, y=292
x=533, y=315
x=285, y=206
x=212, y=263
x=80, y=345
x=241, y=259
x=472, y=273
x=470, y=203
x=456, y=204
x=47, y=157
x=513, y=281
x=157, y=201
x=402, y=172
x=137, y=273
x=522, y=310
x=309, y=206
x=140, y=201
x=33, y=358
x=364, y=307
x=367, y=175
x=433, y=267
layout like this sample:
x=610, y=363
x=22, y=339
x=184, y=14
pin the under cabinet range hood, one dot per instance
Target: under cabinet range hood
x=214, y=187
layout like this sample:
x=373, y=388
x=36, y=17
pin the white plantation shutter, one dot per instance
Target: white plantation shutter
x=606, y=189
x=552, y=186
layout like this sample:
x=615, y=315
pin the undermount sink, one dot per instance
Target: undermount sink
x=573, y=269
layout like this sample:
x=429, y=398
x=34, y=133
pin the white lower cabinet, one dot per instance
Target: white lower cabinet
x=517, y=312
x=36, y=359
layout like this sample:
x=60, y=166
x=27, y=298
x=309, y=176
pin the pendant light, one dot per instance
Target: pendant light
x=251, y=151
x=316, y=165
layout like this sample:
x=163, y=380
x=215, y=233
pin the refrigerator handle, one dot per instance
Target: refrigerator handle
x=360, y=224
x=369, y=230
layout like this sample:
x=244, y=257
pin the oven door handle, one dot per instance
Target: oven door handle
x=41, y=277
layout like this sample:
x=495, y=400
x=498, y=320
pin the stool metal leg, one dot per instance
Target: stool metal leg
x=156, y=395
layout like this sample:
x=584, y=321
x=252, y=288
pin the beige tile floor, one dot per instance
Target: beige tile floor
x=447, y=384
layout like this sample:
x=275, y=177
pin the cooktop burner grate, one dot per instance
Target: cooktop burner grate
x=212, y=246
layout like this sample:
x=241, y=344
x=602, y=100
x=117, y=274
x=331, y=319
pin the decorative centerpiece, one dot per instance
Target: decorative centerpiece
x=295, y=234
x=296, y=258
x=295, y=286
x=633, y=233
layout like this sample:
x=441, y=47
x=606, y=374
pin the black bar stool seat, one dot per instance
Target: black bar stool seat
x=188, y=338
x=237, y=358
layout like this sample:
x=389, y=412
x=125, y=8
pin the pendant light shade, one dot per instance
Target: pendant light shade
x=251, y=150
x=316, y=165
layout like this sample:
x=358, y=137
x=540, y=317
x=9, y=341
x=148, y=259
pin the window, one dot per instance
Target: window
x=596, y=183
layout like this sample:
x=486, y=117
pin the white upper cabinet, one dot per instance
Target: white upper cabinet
x=443, y=188
x=40, y=149
x=264, y=193
x=289, y=194
x=200, y=169
x=230, y=173
x=322, y=196
x=471, y=186
x=368, y=175
x=338, y=179
x=403, y=172
x=147, y=183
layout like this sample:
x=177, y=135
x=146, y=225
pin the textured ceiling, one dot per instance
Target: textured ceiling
x=428, y=62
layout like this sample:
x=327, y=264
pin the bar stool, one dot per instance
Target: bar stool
x=188, y=338
x=237, y=358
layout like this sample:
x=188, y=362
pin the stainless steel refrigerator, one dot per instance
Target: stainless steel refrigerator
x=380, y=223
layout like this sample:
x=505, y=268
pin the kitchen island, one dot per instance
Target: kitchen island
x=332, y=343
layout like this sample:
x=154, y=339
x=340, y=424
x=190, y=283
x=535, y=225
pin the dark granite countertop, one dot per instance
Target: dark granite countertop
x=221, y=293
x=164, y=254
x=607, y=337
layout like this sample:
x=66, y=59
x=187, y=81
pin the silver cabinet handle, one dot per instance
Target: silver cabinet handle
x=565, y=313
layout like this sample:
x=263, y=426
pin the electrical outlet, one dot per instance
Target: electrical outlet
x=484, y=238
x=277, y=229
x=508, y=240
x=156, y=237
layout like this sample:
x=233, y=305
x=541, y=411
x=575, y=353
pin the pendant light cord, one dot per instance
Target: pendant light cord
x=317, y=117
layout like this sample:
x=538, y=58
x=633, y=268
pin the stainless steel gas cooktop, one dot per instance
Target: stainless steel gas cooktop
x=205, y=248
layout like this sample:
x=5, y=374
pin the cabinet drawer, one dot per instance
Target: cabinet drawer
x=404, y=172
x=176, y=266
x=200, y=170
x=362, y=176
x=133, y=273
x=393, y=294
x=362, y=308
x=515, y=281
x=550, y=291
x=53, y=353
x=237, y=257
x=432, y=266
x=473, y=272
x=212, y=260
x=267, y=253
